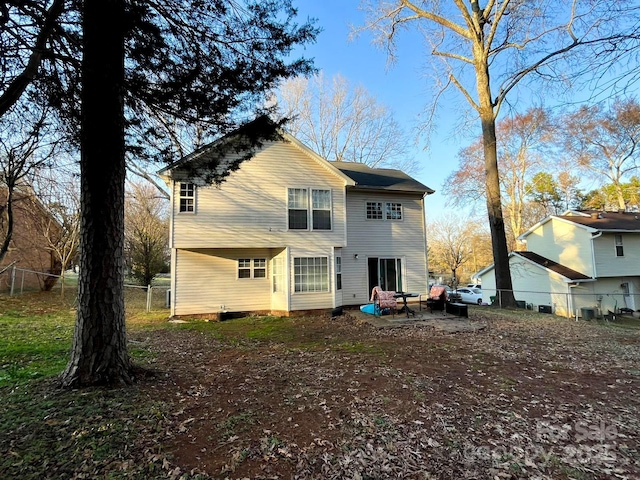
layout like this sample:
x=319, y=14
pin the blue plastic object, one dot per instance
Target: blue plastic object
x=369, y=308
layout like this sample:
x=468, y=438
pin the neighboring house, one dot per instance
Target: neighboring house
x=290, y=231
x=575, y=261
x=30, y=245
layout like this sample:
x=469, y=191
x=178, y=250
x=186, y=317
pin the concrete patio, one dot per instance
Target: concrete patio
x=440, y=321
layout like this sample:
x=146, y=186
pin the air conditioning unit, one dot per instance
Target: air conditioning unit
x=544, y=309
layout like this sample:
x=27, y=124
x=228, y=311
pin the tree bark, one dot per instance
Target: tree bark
x=504, y=285
x=99, y=353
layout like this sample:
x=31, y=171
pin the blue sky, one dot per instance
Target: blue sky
x=400, y=86
x=404, y=87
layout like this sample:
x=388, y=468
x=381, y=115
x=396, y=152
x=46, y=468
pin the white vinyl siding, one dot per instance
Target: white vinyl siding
x=206, y=281
x=244, y=213
x=383, y=239
x=566, y=243
x=609, y=264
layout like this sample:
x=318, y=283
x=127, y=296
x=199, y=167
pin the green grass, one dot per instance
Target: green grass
x=33, y=346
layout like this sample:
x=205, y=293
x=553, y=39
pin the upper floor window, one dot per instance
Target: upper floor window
x=252, y=268
x=619, y=248
x=187, y=197
x=298, y=202
x=384, y=211
x=321, y=200
x=394, y=211
x=298, y=209
x=374, y=210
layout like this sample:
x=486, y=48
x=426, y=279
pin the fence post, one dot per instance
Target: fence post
x=13, y=280
x=500, y=298
x=149, y=288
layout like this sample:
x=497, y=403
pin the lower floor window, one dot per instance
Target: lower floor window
x=252, y=268
x=311, y=274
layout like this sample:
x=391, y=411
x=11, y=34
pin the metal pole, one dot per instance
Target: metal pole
x=149, y=288
x=13, y=280
x=22, y=283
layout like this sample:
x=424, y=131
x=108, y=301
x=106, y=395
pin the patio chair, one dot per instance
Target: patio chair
x=384, y=299
x=437, y=299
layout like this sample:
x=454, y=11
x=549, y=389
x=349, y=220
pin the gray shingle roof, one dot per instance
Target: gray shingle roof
x=553, y=266
x=381, y=178
x=607, y=221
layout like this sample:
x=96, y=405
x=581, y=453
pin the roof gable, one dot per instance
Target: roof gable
x=223, y=154
x=357, y=175
x=539, y=261
x=563, y=218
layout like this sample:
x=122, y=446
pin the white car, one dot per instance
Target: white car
x=470, y=295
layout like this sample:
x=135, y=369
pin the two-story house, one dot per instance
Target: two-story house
x=581, y=259
x=290, y=231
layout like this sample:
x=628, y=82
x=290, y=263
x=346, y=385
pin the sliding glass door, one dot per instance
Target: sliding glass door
x=386, y=273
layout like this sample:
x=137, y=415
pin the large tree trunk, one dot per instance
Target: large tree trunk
x=99, y=354
x=504, y=286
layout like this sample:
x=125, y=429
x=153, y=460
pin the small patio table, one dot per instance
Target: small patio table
x=405, y=307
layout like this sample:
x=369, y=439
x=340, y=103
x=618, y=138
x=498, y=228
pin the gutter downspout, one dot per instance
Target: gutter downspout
x=593, y=253
x=174, y=253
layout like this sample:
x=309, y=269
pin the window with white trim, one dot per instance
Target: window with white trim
x=321, y=209
x=374, y=210
x=394, y=211
x=619, y=247
x=252, y=268
x=338, y=273
x=298, y=209
x=384, y=210
x=299, y=213
x=311, y=274
x=277, y=274
x=187, y=197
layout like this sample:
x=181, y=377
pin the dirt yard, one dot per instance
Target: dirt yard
x=530, y=397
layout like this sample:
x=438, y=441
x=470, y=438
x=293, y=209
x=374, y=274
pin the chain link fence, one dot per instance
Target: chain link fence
x=17, y=281
x=570, y=304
